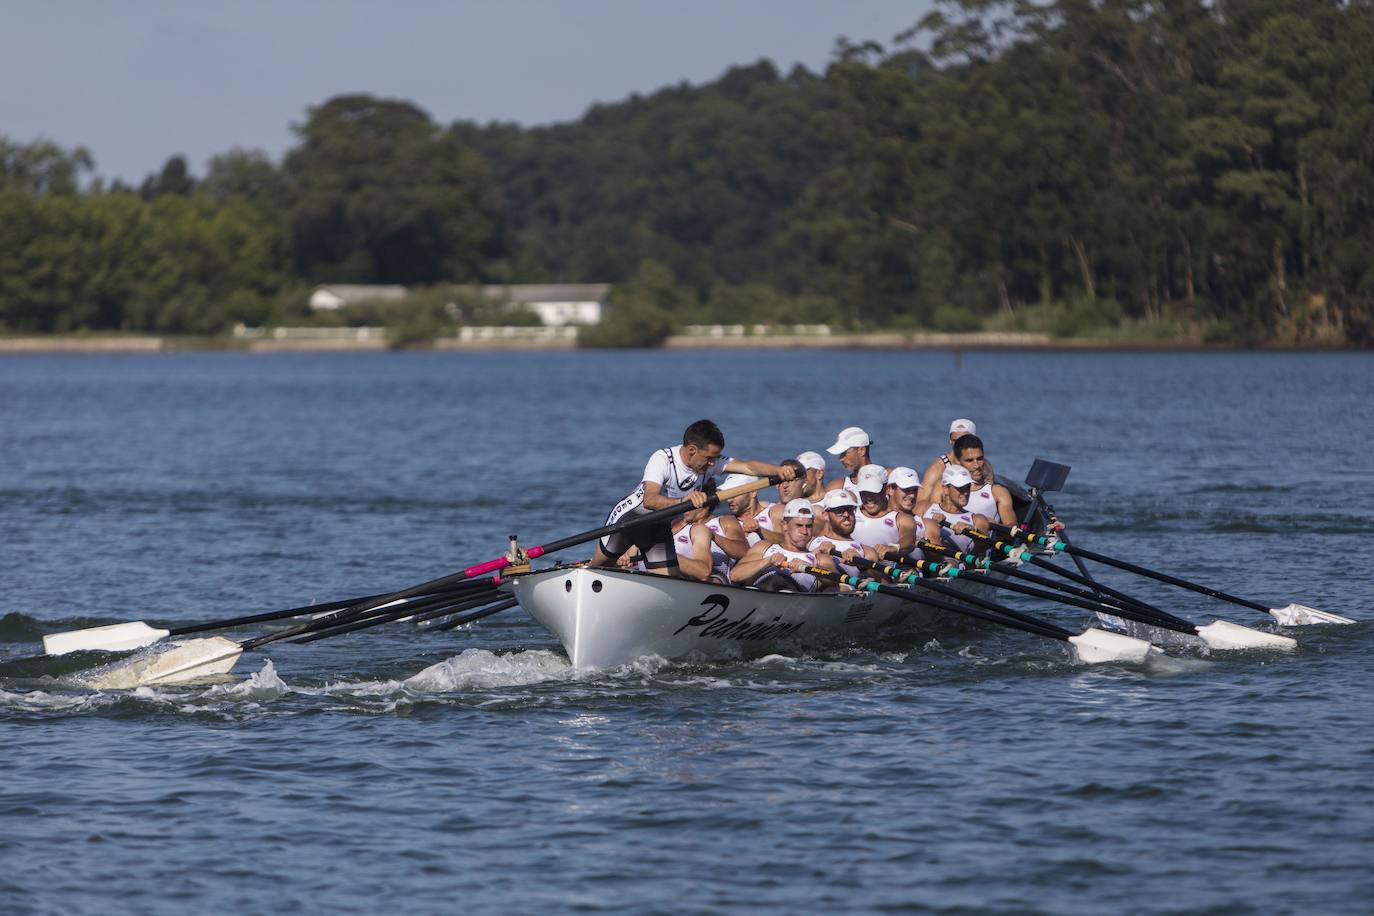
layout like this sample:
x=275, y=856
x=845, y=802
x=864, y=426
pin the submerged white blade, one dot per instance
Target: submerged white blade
x=185, y=662
x=1300, y=615
x=1095, y=646
x=1224, y=635
x=133, y=635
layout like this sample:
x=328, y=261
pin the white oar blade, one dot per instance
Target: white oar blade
x=113, y=638
x=1227, y=636
x=186, y=662
x=1300, y=615
x=1094, y=647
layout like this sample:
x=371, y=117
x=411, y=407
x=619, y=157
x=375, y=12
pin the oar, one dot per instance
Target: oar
x=1092, y=646
x=136, y=634
x=419, y=610
x=477, y=614
x=217, y=655
x=1220, y=634
x=1291, y=615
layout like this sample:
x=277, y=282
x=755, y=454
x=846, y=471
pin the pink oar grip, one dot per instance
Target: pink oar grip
x=481, y=569
x=535, y=553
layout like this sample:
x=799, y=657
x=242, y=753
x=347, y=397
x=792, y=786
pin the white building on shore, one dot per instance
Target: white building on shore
x=556, y=304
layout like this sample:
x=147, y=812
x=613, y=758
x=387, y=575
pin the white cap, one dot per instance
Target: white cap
x=871, y=479
x=902, y=478
x=963, y=427
x=956, y=476
x=849, y=437
x=839, y=499
x=798, y=508
x=736, y=480
x=813, y=460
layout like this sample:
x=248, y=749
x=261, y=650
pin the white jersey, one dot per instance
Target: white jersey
x=805, y=581
x=982, y=502
x=840, y=546
x=675, y=480
x=720, y=561
x=764, y=520
x=934, y=530
x=871, y=531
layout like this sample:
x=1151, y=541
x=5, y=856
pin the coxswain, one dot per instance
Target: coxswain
x=840, y=508
x=951, y=505
x=878, y=523
x=989, y=498
x=672, y=475
x=852, y=447
x=782, y=566
x=930, y=480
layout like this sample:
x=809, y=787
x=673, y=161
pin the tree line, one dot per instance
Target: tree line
x=1072, y=165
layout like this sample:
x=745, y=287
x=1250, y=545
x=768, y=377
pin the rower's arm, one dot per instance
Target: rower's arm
x=906, y=532
x=654, y=498
x=699, y=566
x=930, y=482
x=757, y=469
x=754, y=563
x=732, y=539
x=775, y=519
x=1006, y=512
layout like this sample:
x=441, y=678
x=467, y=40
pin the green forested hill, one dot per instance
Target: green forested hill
x=1070, y=166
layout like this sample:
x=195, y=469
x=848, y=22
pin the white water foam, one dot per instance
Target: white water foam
x=482, y=669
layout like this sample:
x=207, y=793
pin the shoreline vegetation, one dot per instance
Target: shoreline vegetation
x=1189, y=174
x=118, y=343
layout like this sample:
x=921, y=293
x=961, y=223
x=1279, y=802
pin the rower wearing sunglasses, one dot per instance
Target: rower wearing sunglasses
x=951, y=505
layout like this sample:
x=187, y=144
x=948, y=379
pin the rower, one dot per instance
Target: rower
x=951, y=505
x=769, y=523
x=671, y=475
x=904, y=489
x=841, y=509
x=780, y=567
x=852, y=447
x=989, y=498
x=747, y=512
x=878, y=523
x=701, y=551
x=814, y=487
x=930, y=480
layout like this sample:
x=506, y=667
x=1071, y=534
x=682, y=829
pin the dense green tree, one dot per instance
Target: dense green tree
x=379, y=194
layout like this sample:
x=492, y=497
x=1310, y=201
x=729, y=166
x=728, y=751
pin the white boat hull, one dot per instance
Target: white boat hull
x=606, y=617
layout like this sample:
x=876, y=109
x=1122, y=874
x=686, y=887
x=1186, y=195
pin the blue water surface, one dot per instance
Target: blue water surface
x=969, y=771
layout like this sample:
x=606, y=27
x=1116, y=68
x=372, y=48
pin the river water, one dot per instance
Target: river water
x=962, y=772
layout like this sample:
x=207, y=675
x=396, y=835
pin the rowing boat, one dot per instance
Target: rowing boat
x=606, y=617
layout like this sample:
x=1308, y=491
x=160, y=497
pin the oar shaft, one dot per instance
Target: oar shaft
x=478, y=614
x=228, y=622
x=1163, y=577
x=350, y=614
x=1036, y=627
x=442, y=605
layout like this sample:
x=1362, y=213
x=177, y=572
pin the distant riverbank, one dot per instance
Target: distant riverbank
x=881, y=340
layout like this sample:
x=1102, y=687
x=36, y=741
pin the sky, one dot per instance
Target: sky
x=137, y=81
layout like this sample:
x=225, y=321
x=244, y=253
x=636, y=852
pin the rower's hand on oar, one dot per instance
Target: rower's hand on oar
x=697, y=498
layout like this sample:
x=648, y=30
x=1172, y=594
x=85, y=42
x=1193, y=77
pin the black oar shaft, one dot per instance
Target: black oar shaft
x=478, y=614
x=1038, y=628
x=228, y=622
x=356, y=612
x=445, y=604
x=1163, y=577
